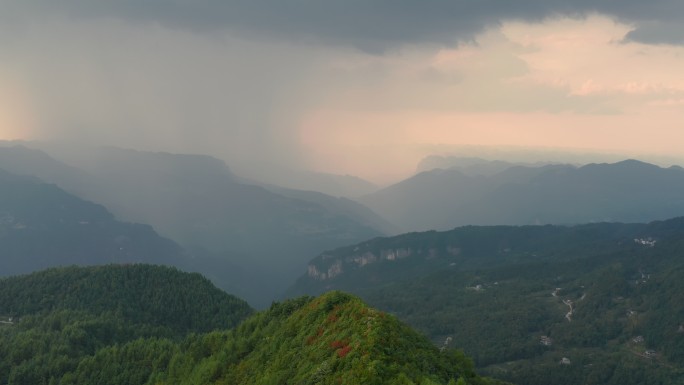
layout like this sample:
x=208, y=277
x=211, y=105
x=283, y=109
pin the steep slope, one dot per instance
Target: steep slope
x=52, y=320
x=628, y=191
x=43, y=226
x=334, y=339
x=607, y=297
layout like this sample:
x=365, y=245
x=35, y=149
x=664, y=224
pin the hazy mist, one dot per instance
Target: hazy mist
x=343, y=87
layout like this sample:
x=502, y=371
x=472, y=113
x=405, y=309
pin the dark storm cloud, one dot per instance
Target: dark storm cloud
x=373, y=24
x=658, y=32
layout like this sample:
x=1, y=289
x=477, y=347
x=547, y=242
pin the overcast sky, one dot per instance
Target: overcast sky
x=345, y=86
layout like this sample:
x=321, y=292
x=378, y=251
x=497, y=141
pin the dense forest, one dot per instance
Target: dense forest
x=142, y=324
x=593, y=304
x=333, y=339
x=53, y=319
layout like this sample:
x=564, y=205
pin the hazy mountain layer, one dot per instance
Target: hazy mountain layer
x=606, y=297
x=471, y=165
x=43, y=226
x=249, y=239
x=330, y=184
x=344, y=206
x=628, y=191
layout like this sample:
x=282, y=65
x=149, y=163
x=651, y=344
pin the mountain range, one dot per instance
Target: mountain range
x=257, y=238
x=441, y=199
x=532, y=303
x=43, y=226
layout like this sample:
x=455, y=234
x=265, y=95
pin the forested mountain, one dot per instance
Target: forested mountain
x=43, y=226
x=53, y=319
x=628, y=191
x=142, y=324
x=598, y=303
x=334, y=339
x=259, y=240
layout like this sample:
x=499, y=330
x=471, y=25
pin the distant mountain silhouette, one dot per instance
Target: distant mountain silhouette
x=266, y=235
x=330, y=184
x=21, y=160
x=344, y=206
x=627, y=191
x=471, y=165
x=43, y=226
x=196, y=200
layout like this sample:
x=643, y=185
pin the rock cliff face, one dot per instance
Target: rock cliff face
x=471, y=248
x=329, y=266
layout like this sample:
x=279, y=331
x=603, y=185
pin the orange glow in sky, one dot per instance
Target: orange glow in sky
x=371, y=144
x=563, y=83
x=14, y=122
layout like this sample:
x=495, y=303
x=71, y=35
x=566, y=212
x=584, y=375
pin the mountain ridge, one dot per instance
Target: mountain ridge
x=627, y=191
x=602, y=298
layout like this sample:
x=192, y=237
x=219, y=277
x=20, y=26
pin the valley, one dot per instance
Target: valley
x=331, y=192
x=531, y=304
x=518, y=305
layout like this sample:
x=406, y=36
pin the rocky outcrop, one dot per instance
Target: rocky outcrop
x=335, y=265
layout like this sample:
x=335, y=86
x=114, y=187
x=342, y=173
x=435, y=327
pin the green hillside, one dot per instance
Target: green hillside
x=333, y=339
x=53, y=319
x=143, y=324
x=508, y=287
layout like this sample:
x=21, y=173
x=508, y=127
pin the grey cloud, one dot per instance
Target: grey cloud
x=657, y=33
x=153, y=88
x=369, y=25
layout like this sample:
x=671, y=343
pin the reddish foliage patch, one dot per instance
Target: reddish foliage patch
x=344, y=351
x=332, y=317
x=311, y=339
x=337, y=344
